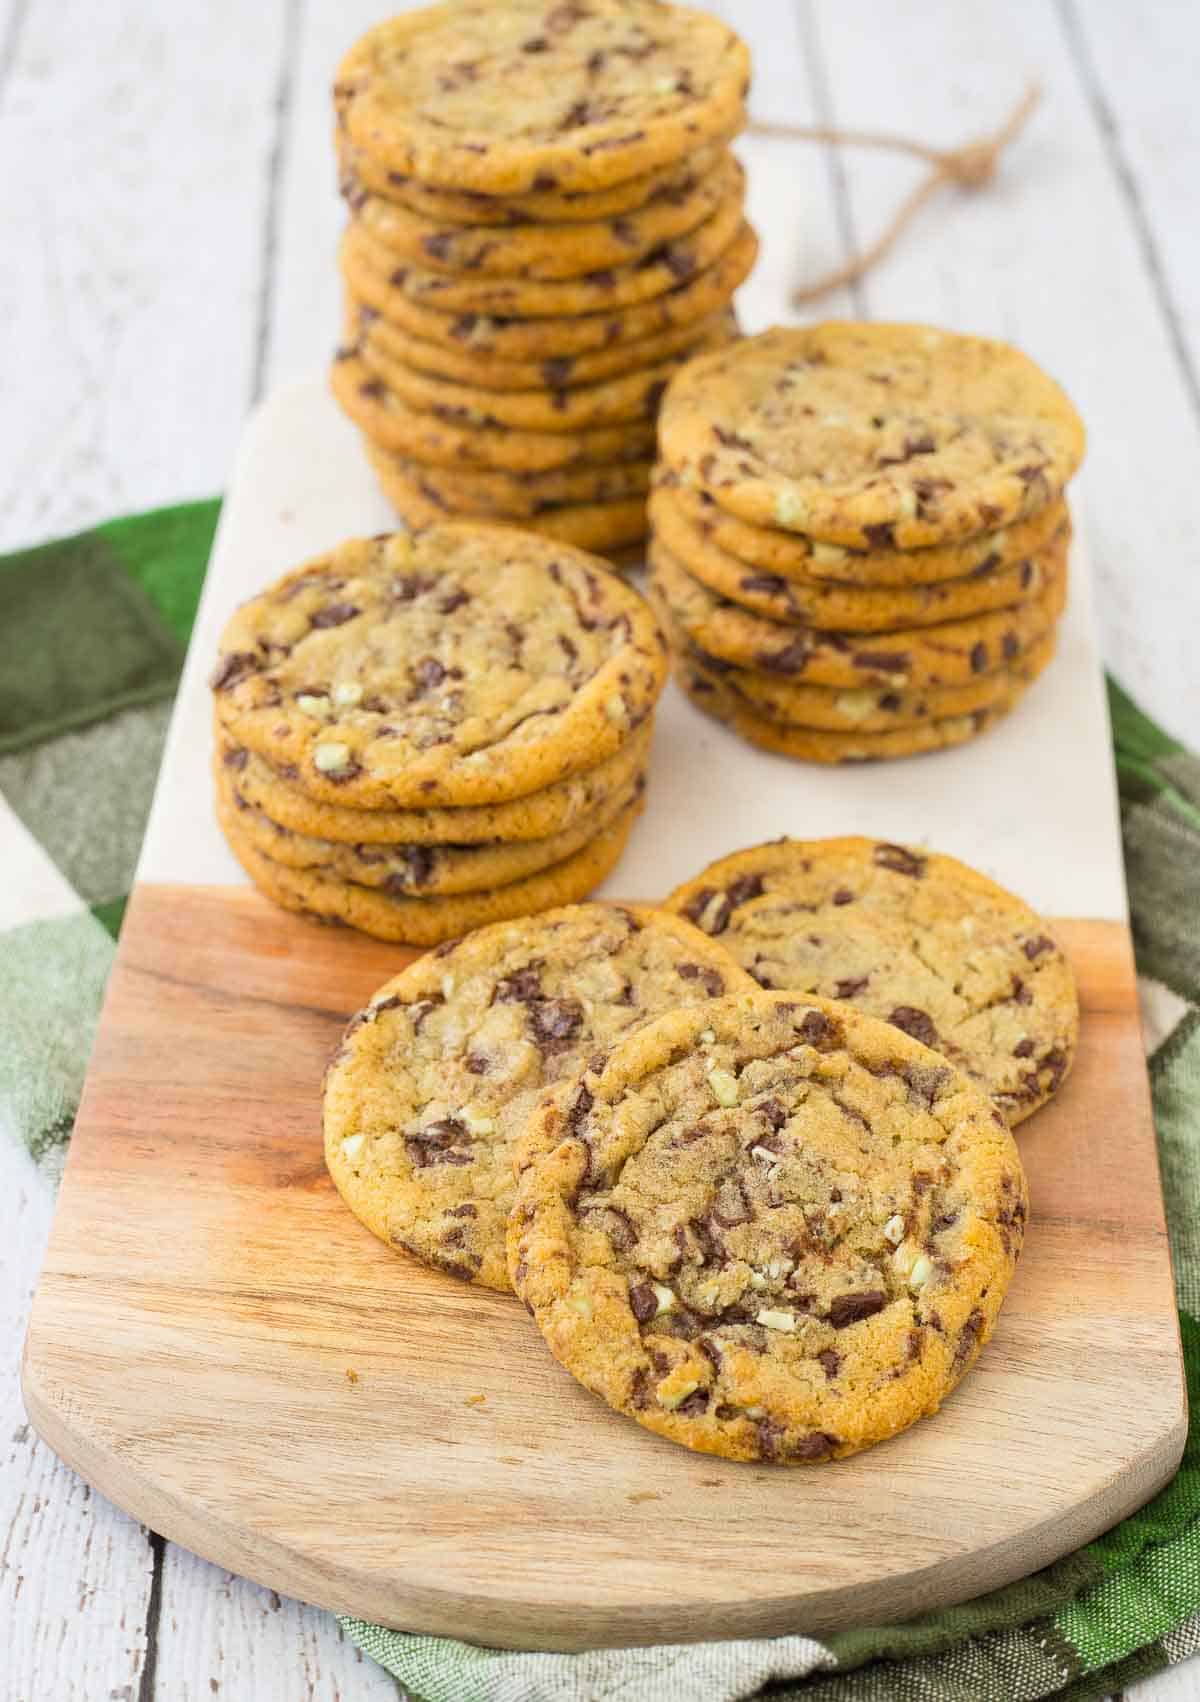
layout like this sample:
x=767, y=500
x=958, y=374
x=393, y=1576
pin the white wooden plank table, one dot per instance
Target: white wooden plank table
x=170, y=220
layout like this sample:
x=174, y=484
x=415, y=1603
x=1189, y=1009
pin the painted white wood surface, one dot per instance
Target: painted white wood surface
x=170, y=221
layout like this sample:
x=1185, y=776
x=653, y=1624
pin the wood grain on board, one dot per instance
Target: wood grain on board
x=206, y=1296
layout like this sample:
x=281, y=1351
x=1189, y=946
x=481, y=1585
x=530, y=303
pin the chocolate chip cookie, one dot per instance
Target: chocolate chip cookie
x=384, y=346
x=530, y=97
x=537, y=815
x=466, y=664
x=913, y=657
x=872, y=436
x=534, y=339
x=388, y=421
x=629, y=397
x=770, y=1227
x=606, y=528
x=794, y=556
x=420, y=921
x=661, y=270
x=545, y=206
x=715, y=695
x=416, y=870
x=861, y=709
x=851, y=608
x=545, y=251
x=434, y=1080
x=917, y=939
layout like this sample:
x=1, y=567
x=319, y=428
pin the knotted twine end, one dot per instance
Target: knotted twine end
x=971, y=166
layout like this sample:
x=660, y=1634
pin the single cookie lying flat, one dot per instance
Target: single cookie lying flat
x=769, y=1228
x=917, y=939
x=435, y=1078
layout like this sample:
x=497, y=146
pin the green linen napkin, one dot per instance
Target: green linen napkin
x=93, y=633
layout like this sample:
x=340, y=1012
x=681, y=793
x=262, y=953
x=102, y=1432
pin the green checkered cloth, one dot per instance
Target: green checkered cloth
x=94, y=629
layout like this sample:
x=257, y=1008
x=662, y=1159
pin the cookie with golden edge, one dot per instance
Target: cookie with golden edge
x=514, y=496
x=873, y=436
x=851, y=608
x=908, y=935
x=770, y=1227
x=862, y=709
x=947, y=654
x=601, y=291
x=390, y=422
x=418, y=871
x=603, y=527
x=531, y=97
x=385, y=347
x=548, y=206
x=794, y=556
x=466, y=664
x=629, y=397
x=432, y=1086
x=537, y=815
x=427, y=921
x=712, y=693
x=522, y=339
x=545, y=251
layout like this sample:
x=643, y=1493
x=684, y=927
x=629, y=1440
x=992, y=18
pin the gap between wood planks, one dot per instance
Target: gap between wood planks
x=10, y=41
x=276, y=168
x=823, y=106
x=1079, y=52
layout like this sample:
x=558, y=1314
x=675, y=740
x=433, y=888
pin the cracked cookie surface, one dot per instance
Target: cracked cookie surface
x=466, y=664
x=917, y=939
x=433, y=1083
x=769, y=1228
x=531, y=96
x=873, y=436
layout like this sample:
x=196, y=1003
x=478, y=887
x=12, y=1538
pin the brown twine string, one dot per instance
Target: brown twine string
x=971, y=166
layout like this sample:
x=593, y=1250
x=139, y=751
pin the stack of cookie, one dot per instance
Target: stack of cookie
x=420, y=734
x=546, y=222
x=859, y=535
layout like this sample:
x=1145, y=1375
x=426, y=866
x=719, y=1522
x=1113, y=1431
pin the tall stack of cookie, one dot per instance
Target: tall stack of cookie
x=546, y=222
x=859, y=535
x=418, y=734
